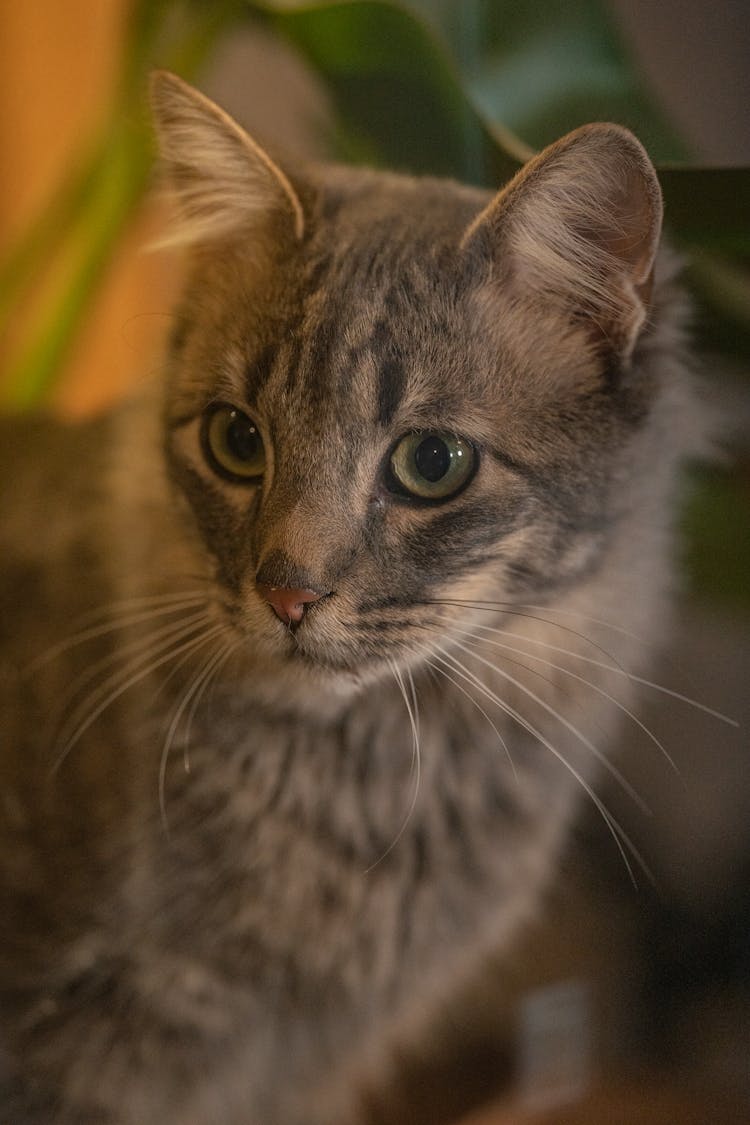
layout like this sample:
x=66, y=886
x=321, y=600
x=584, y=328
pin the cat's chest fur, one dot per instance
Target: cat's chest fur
x=360, y=829
x=298, y=872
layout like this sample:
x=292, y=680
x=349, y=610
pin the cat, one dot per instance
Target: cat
x=300, y=688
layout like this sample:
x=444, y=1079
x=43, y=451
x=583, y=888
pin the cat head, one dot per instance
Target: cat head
x=389, y=395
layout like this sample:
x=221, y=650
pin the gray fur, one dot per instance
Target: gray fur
x=227, y=893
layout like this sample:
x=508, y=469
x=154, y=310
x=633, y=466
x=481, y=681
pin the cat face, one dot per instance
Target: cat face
x=387, y=399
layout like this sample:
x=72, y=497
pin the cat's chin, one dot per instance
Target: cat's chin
x=321, y=659
x=306, y=680
x=297, y=681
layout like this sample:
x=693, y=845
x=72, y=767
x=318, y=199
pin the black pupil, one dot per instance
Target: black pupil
x=242, y=438
x=432, y=458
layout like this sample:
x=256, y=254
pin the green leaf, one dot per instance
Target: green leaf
x=721, y=291
x=708, y=206
x=84, y=220
x=395, y=90
x=120, y=181
x=717, y=548
x=543, y=69
x=400, y=101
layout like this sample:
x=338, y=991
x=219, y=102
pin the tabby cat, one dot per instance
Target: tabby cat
x=304, y=667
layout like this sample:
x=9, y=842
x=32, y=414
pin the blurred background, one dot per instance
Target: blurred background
x=624, y=1004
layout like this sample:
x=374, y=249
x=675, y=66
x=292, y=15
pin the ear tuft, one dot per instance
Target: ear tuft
x=223, y=181
x=580, y=226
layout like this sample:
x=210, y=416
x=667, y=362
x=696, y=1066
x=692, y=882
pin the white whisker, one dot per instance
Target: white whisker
x=144, y=650
x=571, y=727
x=139, y=601
x=616, y=830
x=174, y=628
x=617, y=669
x=508, y=610
x=515, y=607
x=480, y=709
x=174, y=603
x=414, y=700
x=194, y=692
x=591, y=620
x=416, y=760
x=191, y=645
x=230, y=648
x=580, y=679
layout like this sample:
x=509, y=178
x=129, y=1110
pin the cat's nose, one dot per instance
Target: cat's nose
x=288, y=605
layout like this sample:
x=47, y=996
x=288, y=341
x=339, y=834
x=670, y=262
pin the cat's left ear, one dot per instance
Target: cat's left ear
x=578, y=229
x=223, y=180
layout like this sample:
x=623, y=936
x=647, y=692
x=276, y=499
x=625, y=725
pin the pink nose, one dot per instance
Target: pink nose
x=288, y=605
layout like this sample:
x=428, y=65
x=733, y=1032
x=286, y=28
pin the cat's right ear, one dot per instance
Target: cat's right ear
x=222, y=180
x=577, y=230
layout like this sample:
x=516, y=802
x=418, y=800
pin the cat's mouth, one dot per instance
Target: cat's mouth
x=324, y=646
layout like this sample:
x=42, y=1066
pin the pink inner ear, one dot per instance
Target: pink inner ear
x=633, y=232
x=579, y=228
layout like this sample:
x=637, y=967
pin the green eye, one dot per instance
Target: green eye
x=233, y=445
x=431, y=466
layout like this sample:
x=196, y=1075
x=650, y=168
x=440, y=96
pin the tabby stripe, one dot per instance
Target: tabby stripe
x=279, y=786
x=408, y=909
x=391, y=389
x=479, y=524
x=521, y=468
x=258, y=372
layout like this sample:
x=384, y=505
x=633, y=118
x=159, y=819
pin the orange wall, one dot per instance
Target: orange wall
x=58, y=63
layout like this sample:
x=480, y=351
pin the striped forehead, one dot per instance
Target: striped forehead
x=360, y=337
